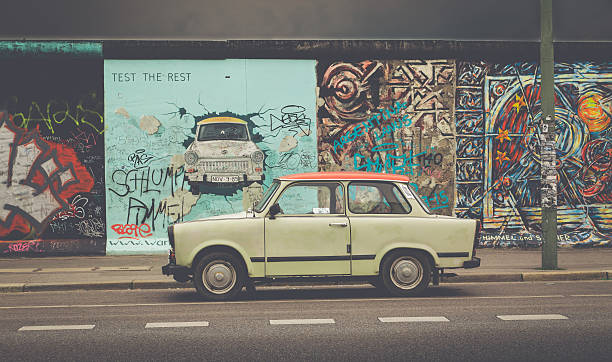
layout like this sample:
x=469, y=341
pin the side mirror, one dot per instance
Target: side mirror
x=274, y=210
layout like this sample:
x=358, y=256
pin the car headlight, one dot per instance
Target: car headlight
x=257, y=156
x=191, y=158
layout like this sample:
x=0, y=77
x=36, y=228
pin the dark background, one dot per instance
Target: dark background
x=574, y=20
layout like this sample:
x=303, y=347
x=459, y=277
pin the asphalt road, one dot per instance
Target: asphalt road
x=570, y=321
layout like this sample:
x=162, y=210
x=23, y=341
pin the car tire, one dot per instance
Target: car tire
x=219, y=276
x=405, y=273
x=181, y=278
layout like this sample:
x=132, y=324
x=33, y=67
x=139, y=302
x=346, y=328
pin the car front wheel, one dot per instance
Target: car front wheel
x=219, y=276
x=405, y=273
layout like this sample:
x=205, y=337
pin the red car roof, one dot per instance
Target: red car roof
x=345, y=175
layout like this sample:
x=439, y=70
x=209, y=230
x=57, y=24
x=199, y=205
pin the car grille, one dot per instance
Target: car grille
x=225, y=166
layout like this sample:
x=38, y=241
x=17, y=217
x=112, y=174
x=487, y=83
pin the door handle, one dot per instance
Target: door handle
x=342, y=224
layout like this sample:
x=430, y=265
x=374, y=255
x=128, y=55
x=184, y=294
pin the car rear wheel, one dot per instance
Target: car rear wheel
x=219, y=276
x=405, y=273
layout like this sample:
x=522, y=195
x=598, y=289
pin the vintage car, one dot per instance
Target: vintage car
x=339, y=225
x=223, y=153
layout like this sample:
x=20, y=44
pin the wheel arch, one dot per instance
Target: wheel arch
x=211, y=247
x=423, y=249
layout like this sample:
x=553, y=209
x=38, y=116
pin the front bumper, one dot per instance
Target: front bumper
x=474, y=263
x=173, y=269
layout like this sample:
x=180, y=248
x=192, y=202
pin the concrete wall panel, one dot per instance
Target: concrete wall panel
x=51, y=153
x=152, y=107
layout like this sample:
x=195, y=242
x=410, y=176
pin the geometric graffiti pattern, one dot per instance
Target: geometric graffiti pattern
x=392, y=116
x=38, y=179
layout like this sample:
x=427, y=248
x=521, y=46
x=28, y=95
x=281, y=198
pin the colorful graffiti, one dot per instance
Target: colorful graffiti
x=52, y=149
x=498, y=161
x=92, y=173
x=390, y=116
x=153, y=134
x=39, y=178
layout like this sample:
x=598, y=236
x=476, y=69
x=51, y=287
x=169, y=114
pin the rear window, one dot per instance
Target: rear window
x=376, y=198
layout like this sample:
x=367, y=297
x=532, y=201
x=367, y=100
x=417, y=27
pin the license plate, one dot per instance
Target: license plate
x=226, y=179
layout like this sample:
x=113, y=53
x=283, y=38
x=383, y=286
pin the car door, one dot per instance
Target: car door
x=379, y=216
x=311, y=234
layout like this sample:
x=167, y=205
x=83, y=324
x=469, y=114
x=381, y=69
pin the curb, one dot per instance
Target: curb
x=564, y=275
x=171, y=284
x=477, y=277
x=158, y=284
x=12, y=287
x=49, y=287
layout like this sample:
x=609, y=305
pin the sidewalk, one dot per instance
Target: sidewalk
x=144, y=272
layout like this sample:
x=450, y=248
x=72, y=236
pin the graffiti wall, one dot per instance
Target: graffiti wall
x=498, y=161
x=52, y=156
x=391, y=117
x=191, y=139
x=101, y=156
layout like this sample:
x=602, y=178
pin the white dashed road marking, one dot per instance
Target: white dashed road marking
x=412, y=319
x=301, y=321
x=176, y=324
x=57, y=328
x=530, y=317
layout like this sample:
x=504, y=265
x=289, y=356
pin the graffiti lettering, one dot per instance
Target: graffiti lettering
x=366, y=126
x=388, y=129
x=139, y=158
x=293, y=119
x=132, y=231
x=147, y=179
x=76, y=209
x=57, y=112
x=24, y=247
x=93, y=228
x=139, y=212
x=294, y=160
x=439, y=200
x=140, y=242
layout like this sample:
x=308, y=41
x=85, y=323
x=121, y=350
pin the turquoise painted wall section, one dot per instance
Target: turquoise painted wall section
x=151, y=108
x=39, y=48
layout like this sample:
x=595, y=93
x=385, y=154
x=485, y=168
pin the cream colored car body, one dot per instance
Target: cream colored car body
x=319, y=244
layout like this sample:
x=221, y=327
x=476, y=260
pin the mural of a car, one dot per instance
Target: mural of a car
x=223, y=153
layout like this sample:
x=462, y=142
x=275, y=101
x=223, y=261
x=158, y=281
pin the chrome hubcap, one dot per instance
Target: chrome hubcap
x=219, y=277
x=406, y=272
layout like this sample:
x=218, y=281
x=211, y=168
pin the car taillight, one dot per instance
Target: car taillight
x=171, y=236
x=476, y=238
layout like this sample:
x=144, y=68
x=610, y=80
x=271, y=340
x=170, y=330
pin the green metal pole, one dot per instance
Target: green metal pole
x=547, y=139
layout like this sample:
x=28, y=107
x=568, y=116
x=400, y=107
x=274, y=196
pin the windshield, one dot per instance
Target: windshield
x=223, y=131
x=266, y=197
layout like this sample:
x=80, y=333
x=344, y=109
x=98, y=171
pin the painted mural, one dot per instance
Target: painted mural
x=393, y=116
x=192, y=139
x=100, y=156
x=52, y=152
x=498, y=164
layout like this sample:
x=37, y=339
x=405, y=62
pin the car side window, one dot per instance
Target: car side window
x=311, y=198
x=401, y=199
x=376, y=198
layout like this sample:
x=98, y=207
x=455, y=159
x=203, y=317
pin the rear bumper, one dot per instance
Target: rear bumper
x=474, y=263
